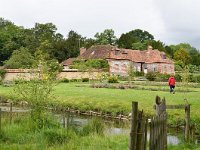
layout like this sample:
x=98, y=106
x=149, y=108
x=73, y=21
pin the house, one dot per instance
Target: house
x=66, y=64
x=121, y=61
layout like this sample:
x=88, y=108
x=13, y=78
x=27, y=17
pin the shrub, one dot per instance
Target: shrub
x=65, y=80
x=138, y=73
x=151, y=76
x=162, y=77
x=2, y=73
x=178, y=77
x=112, y=79
x=194, y=78
x=74, y=80
x=85, y=80
x=198, y=78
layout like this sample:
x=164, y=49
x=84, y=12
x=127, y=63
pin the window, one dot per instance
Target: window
x=117, y=52
x=163, y=56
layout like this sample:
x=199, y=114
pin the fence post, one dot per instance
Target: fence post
x=133, y=133
x=165, y=131
x=187, y=122
x=145, y=136
x=0, y=120
x=140, y=131
x=64, y=120
x=11, y=105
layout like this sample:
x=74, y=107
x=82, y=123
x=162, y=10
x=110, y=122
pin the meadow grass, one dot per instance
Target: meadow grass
x=18, y=136
x=81, y=96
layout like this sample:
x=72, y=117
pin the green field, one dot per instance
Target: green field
x=81, y=96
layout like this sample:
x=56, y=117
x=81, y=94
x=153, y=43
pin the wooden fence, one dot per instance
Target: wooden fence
x=138, y=134
x=158, y=132
x=156, y=124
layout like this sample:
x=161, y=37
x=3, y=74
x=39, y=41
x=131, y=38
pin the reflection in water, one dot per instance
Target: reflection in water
x=114, y=128
x=172, y=140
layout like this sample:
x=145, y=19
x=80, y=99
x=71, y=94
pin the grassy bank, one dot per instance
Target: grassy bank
x=19, y=135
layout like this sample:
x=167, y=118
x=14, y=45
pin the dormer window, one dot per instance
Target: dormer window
x=163, y=56
x=117, y=52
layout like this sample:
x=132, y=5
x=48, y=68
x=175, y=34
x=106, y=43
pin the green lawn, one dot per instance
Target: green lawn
x=81, y=96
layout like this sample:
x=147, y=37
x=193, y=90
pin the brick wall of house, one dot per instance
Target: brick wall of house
x=119, y=67
x=160, y=67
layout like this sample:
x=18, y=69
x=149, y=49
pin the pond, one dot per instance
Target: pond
x=114, y=127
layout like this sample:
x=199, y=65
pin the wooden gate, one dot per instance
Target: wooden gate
x=138, y=134
x=158, y=132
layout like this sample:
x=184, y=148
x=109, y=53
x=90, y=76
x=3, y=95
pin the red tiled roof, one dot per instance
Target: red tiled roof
x=68, y=62
x=109, y=52
x=97, y=52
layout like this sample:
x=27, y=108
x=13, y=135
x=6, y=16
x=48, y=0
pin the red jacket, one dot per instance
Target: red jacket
x=172, y=81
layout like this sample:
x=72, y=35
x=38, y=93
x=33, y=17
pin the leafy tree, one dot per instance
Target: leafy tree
x=73, y=43
x=169, y=51
x=38, y=91
x=182, y=55
x=195, y=57
x=193, y=52
x=126, y=40
x=138, y=46
x=48, y=67
x=155, y=44
x=106, y=37
x=87, y=43
x=11, y=38
x=21, y=58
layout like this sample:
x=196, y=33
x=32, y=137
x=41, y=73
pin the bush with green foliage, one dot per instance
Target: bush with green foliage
x=194, y=78
x=65, y=80
x=162, y=77
x=113, y=79
x=139, y=73
x=90, y=64
x=85, y=80
x=178, y=77
x=151, y=76
x=74, y=80
x=21, y=58
x=2, y=74
x=198, y=78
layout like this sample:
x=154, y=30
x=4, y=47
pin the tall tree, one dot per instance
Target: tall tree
x=182, y=55
x=126, y=40
x=106, y=37
x=73, y=43
x=11, y=38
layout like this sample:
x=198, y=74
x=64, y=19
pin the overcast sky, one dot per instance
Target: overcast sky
x=171, y=21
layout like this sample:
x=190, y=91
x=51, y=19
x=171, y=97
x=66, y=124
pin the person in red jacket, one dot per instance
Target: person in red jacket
x=172, y=83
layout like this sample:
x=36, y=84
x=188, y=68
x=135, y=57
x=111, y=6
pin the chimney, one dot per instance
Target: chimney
x=149, y=48
x=82, y=50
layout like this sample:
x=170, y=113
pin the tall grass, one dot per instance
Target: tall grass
x=19, y=136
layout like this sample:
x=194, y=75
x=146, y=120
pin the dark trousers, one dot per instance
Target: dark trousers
x=172, y=87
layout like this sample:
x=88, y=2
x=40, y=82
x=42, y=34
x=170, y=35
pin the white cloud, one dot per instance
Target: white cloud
x=171, y=21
